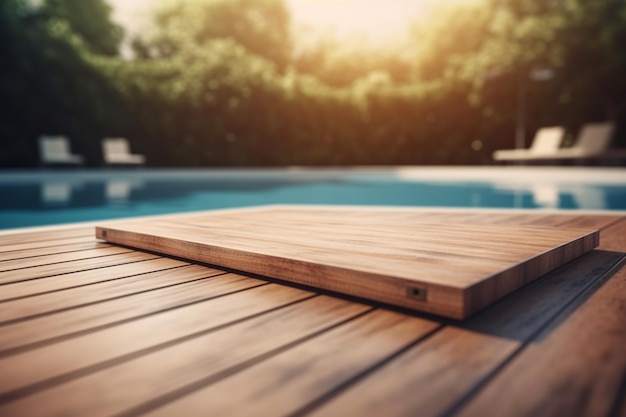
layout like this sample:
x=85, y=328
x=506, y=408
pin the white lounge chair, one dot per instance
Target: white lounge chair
x=593, y=142
x=55, y=150
x=546, y=142
x=116, y=151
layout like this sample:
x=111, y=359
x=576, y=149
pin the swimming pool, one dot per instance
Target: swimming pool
x=53, y=197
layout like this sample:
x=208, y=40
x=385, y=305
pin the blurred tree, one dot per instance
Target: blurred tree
x=217, y=82
x=593, y=60
x=444, y=42
x=48, y=84
x=340, y=62
x=89, y=19
x=13, y=82
x=260, y=26
x=497, y=47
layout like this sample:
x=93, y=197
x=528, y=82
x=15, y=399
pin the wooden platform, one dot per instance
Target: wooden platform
x=88, y=328
x=399, y=257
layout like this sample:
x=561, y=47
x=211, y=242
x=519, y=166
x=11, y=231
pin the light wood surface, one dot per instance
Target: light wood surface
x=50, y=250
x=458, y=358
x=247, y=341
x=142, y=334
x=17, y=264
x=594, y=369
x=333, y=359
x=133, y=264
x=23, y=334
x=18, y=241
x=69, y=266
x=30, y=307
x=400, y=258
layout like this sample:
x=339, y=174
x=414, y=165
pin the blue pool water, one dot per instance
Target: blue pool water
x=45, y=198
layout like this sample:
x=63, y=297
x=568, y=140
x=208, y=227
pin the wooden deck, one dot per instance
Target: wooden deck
x=92, y=329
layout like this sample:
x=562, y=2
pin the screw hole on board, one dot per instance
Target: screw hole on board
x=415, y=293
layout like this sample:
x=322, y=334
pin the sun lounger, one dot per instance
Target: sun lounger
x=55, y=150
x=546, y=142
x=593, y=142
x=116, y=151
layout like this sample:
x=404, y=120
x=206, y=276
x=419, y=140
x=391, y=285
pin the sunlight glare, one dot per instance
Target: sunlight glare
x=371, y=21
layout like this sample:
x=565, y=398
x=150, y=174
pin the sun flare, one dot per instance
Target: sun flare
x=372, y=21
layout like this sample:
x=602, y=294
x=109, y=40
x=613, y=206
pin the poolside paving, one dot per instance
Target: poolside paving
x=89, y=328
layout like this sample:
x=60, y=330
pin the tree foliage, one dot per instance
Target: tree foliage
x=262, y=27
x=219, y=82
x=89, y=19
x=48, y=84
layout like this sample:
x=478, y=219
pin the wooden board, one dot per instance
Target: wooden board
x=391, y=256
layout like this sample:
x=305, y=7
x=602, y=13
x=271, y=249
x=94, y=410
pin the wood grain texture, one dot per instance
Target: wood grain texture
x=174, y=367
x=15, y=249
x=447, y=268
x=23, y=334
x=158, y=330
x=425, y=381
x=587, y=365
x=102, y=291
x=59, y=258
x=131, y=265
x=432, y=378
x=282, y=384
x=54, y=269
x=138, y=333
x=56, y=249
x=46, y=237
x=585, y=352
x=615, y=237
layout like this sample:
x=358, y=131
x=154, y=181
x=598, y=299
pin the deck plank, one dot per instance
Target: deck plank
x=586, y=361
x=131, y=265
x=103, y=291
x=615, y=238
x=585, y=352
x=47, y=244
x=280, y=385
x=445, y=368
x=142, y=333
x=174, y=367
x=59, y=258
x=23, y=334
x=47, y=237
x=72, y=266
x=50, y=250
